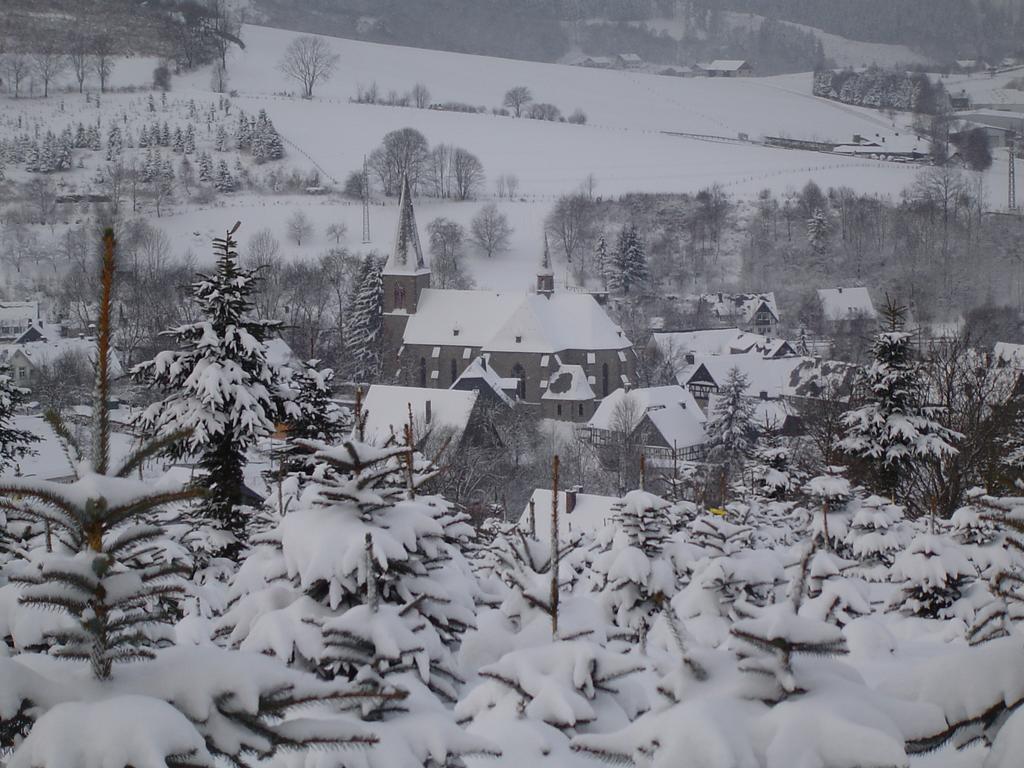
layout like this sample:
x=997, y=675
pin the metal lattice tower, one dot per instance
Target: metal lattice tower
x=1011, y=146
x=366, y=204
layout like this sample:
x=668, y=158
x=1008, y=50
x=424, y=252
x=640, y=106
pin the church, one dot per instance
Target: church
x=559, y=350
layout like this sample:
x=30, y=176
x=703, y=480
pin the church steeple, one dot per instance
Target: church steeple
x=407, y=256
x=545, y=275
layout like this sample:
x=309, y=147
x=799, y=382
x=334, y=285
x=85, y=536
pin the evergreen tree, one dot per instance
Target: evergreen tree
x=895, y=431
x=179, y=140
x=93, y=139
x=112, y=575
x=225, y=180
x=205, y=167
x=114, y=143
x=365, y=316
x=310, y=411
x=731, y=431
x=190, y=139
x=144, y=141
x=220, y=386
x=818, y=228
x=629, y=263
x=601, y=260
x=15, y=443
x=364, y=579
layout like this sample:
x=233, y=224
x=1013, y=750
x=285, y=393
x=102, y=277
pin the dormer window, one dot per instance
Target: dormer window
x=519, y=339
x=455, y=331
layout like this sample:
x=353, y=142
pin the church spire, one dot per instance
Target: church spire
x=545, y=275
x=407, y=256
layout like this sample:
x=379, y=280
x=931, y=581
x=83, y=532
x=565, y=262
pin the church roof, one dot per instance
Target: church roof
x=495, y=321
x=407, y=256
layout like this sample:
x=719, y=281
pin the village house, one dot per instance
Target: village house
x=767, y=378
x=628, y=61
x=665, y=422
x=443, y=421
x=17, y=317
x=727, y=68
x=756, y=312
x=548, y=338
x=578, y=513
x=28, y=358
x=596, y=62
x=844, y=308
x=675, y=352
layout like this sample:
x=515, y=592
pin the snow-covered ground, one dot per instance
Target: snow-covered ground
x=843, y=51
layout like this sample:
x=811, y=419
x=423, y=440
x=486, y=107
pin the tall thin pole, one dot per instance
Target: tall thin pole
x=1011, y=149
x=366, y=203
x=554, y=548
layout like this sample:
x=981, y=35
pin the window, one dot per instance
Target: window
x=519, y=339
x=399, y=296
x=423, y=371
x=591, y=358
x=604, y=379
x=518, y=372
x=436, y=352
x=558, y=409
x=581, y=409
x=454, y=370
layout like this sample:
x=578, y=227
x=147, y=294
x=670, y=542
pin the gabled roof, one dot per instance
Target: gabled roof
x=387, y=411
x=568, y=382
x=478, y=376
x=670, y=409
x=494, y=321
x=768, y=375
x=726, y=65
x=19, y=310
x=846, y=303
x=407, y=256
x=45, y=352
x=590, y=513
x=742, y=305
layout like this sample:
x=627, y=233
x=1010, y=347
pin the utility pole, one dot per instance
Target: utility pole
x=1011, y=149
x=366, y=204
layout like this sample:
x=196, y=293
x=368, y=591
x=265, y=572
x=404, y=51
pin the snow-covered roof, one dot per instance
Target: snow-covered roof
x=387, y=411
x=479, y=373
x=671, y=410
x=45, y=352
x=278, y=352
x=714, y=341
x=725, y=65
x=589, y=513
x=630, y=57
x=742, y=305
x=1011, y=355
x=813, y=378
x=846, y=303
x=568, y=382
x=19, y=310
x=495, y=321
x=768, y=375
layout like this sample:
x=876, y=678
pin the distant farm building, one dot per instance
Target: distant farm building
x=728, y=68
x=628, y=61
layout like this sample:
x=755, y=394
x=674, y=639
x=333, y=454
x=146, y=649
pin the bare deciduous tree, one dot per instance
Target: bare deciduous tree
x=518, y=97
x=490, y=230
x=103, y=59
x=17, y=67
x=467, y=174
x=337, y=231
x=299, y=227
x=309, y=60
x=48, y=63
x=402, y=153
x=420, y=96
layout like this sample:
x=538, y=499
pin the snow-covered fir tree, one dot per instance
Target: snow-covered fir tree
x=629, y=262
x=732, y=432
x=895, y=430
x=818, y=228
x=219, y=386
x=364, y=579
x=15, y=443
x=115, y=690
x=364, y=322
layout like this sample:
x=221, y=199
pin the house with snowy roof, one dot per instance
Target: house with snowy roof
x=27, y=358
x=767, y=378
x=843, y=306
x=677, y=351
x=728, y=68
x=756, y=312
x=665, y=421
x=628, y=61
x=545, y=339
x=578, y=512
x=443, y=420
x=17, y=317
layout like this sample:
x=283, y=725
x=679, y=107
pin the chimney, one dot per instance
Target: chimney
x=427, y=412
x=570, y=499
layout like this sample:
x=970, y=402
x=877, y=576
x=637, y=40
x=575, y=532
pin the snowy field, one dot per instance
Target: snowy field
x=624, y=145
